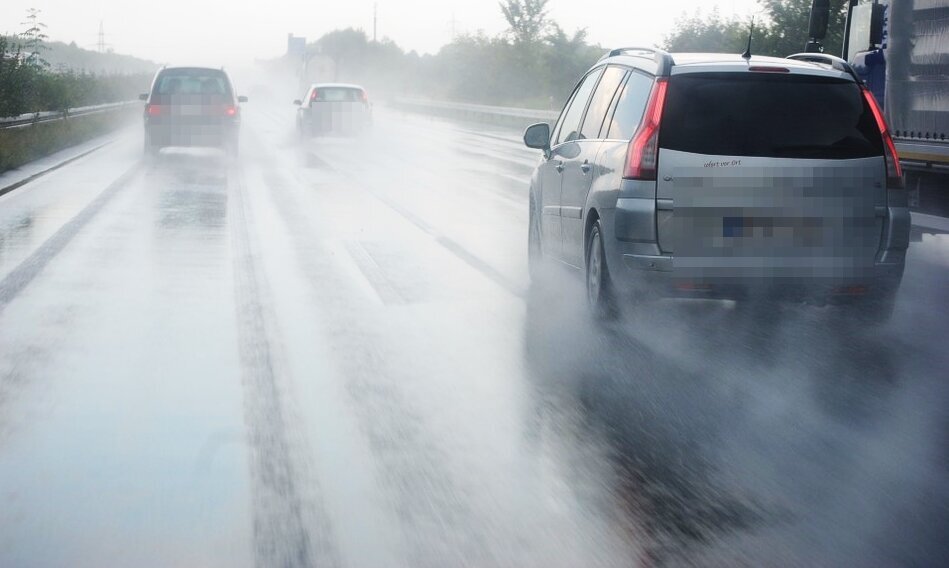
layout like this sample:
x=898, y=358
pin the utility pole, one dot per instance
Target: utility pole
x=375, y=20
x=101, y=43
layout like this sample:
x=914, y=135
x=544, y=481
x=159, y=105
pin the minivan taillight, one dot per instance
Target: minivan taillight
x=230, y=110
x=642, y=157
x=894, y=172
x=153, y=110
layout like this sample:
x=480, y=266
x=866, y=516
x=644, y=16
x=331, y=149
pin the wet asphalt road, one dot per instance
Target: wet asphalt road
x=329, y=354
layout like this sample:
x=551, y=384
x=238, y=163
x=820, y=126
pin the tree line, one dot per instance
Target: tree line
x=780, y=30
x=535, y=61
x=29, y=83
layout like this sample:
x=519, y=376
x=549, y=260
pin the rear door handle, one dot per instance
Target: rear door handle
x=585, y=167
x=559, y=166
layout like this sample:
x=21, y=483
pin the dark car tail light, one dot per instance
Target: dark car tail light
x=230, y=110
x=894, y=172
x=153, y=110
x=642, y=157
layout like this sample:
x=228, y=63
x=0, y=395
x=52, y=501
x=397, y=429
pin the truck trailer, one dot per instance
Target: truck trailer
x=900, y=49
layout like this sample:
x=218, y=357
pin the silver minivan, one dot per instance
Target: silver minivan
x=717, y=176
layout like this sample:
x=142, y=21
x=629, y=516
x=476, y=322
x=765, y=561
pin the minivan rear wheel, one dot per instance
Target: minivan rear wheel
x=600, y=297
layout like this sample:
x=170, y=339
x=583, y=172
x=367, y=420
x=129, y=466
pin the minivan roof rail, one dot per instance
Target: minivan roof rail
x=663, y=58
x=827, y=59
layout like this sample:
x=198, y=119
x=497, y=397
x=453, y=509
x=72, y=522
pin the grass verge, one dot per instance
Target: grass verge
x=22, y=145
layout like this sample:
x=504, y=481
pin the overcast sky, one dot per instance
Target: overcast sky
x=232, y=32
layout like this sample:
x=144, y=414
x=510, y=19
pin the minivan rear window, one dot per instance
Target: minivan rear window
x=337, y=94
x=769, y=115
x=192, y=81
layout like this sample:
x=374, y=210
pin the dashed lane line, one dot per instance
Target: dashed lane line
x=21, y=276
x=282, y=534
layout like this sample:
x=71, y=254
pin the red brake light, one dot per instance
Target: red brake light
x=894, y=172
x=313, y=95
x=642, y=157
x=153, y=110
x=230, y=110
x=365, y=97
x=766, y=69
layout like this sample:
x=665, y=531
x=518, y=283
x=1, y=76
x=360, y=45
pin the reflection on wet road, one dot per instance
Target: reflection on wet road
x=328, y=353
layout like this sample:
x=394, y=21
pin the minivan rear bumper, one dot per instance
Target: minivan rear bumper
x=182, y=133
x=657, y=276
x=638, y=266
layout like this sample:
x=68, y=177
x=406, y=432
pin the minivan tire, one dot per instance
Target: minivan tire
x=600, y=297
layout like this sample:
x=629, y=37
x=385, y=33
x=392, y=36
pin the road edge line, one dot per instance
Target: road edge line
x=22, y=182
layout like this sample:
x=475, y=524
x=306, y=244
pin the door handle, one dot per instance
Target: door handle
x=559, y=166
x=585, y=167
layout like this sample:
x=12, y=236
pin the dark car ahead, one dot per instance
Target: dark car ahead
x=717, y=176
x=192, y=106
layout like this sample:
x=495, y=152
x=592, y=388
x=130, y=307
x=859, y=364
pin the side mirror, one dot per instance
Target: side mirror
x=298, y=102
x=820, y=13
x=538, y=136
x=143, y=97
x=241, y=99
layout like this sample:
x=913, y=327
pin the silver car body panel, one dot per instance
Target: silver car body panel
x=772, y=217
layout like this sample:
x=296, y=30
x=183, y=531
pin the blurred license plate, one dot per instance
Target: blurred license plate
x=190, y=110
x=733, y=226
x=799, y=228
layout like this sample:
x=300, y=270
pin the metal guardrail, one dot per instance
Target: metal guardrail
x=32, y=118
x=481, y=113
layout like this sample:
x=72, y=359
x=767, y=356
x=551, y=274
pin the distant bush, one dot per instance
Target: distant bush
x=472, y=68
x=28, y=86
x=535, y=62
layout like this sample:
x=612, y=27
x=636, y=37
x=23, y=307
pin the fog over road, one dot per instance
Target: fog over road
x=328, y=353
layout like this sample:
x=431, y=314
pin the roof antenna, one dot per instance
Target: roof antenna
x=747, y=54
